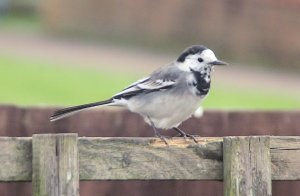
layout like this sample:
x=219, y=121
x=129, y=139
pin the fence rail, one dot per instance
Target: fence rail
x=56, y=162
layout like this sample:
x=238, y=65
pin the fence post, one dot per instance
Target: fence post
x=247, y=166
x=55, y=165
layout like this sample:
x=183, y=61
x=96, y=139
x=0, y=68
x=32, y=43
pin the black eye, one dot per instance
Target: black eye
x=200, y=60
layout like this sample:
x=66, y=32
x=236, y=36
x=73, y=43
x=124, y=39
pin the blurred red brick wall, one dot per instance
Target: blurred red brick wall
x=15, y=121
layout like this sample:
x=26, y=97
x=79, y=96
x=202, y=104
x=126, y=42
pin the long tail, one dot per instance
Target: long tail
x=72, y=110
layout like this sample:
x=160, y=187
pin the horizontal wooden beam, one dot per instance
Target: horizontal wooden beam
x=15, y=159
x=285, y=157
x=148, y=159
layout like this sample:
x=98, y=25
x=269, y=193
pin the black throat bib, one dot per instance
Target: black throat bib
x=201, y=84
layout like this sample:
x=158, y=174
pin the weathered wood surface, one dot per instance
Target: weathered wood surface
x=247, y=166
x=44, y=165
x=123, y=157
x=15, y=158
x=146, y=159
x=67, y=154
x=55, y=165
x=285, y=157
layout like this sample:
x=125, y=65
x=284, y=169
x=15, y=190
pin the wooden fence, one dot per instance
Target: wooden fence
x=56, y=162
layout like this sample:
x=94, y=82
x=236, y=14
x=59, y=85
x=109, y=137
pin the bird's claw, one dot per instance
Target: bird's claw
x=163, y=138
x=186, y=136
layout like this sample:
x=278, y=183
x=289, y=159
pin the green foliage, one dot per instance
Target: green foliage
x=37, y=82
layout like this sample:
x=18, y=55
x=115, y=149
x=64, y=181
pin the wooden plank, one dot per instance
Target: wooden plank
x=16, y=155
x=150, y=159
x=247, y=166
x=15, y=159
x=55, y=165
x=44, y=165
x=67, y=155
x=285, y=157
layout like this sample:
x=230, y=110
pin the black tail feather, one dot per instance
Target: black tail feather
x=71, y=110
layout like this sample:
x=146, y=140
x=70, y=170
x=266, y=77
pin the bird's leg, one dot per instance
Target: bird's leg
x=185, y=135
x=157, y=133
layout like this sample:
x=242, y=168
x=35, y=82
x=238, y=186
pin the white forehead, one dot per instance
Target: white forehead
x=208, y=55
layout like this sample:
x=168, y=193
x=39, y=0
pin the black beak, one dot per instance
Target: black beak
x=217, y=62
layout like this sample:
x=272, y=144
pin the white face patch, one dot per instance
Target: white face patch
x=192, y=61
x=208, y=56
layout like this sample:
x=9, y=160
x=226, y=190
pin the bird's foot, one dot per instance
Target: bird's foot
x=186, y=135
x=157, y=133
x=163, y=138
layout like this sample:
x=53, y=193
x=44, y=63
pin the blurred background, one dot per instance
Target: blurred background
x=58, y=53
x=72, y=52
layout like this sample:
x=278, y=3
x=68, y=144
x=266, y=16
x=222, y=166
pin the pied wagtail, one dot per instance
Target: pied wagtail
x=168, y=96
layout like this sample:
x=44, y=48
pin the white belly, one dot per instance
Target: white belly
x=165, y=110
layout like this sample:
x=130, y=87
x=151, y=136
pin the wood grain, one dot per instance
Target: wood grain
x=247, y=166
x=44, y=164
x=147, y=158
x=15, y=159
x=285, y=157
x=55, y=165
x=67, y=155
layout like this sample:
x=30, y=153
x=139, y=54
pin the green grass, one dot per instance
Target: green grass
x=31, y=82
x=15, y=22
x=35, y=82
x=234, y=98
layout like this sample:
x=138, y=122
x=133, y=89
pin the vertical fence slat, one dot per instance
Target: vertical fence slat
x=44, y=165
x=55, y=165
x=247, y=166
x=68, y=165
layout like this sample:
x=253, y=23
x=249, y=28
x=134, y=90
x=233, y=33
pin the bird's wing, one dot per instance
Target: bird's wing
x=145, y=85
x=161, y=79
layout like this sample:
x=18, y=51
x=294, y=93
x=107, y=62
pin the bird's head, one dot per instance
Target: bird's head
x=197, y=57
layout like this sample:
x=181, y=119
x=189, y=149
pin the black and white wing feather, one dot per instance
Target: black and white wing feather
x=145, y=85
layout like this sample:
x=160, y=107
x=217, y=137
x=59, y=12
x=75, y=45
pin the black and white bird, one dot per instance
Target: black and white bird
x=168, y=96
